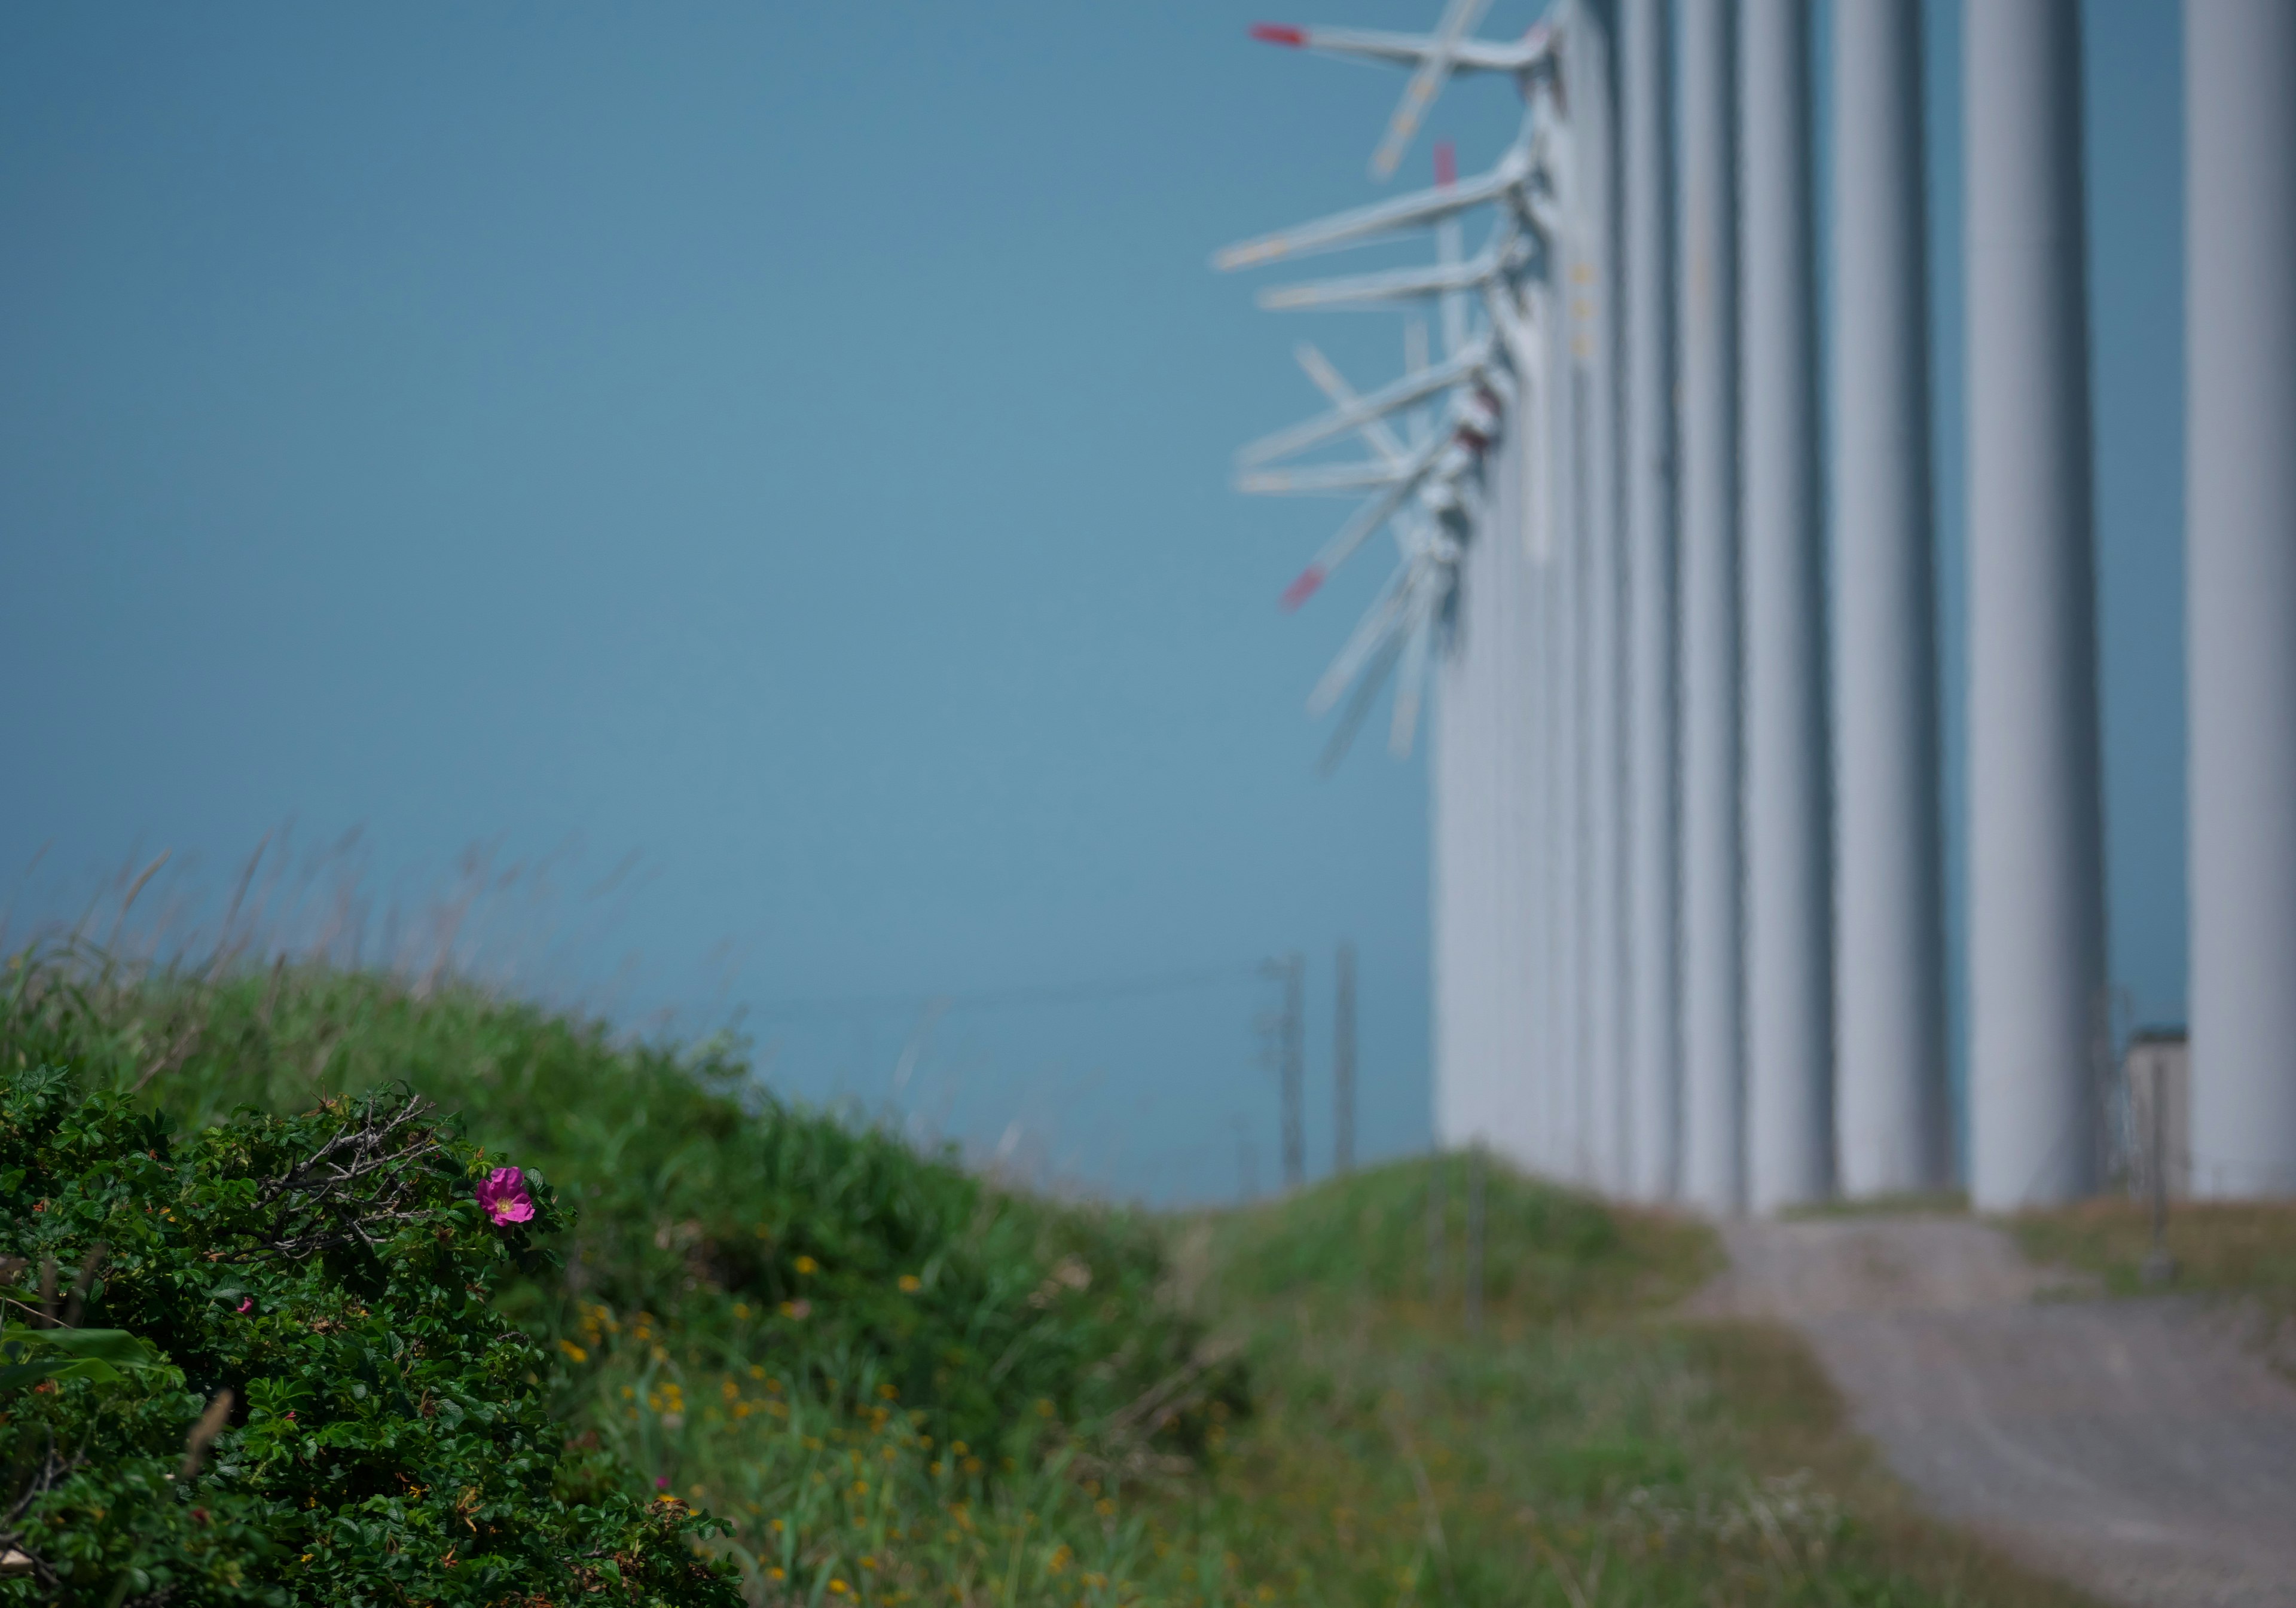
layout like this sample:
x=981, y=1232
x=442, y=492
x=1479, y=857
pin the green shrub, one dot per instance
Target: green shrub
x=735, y=1228
x=337, y=1411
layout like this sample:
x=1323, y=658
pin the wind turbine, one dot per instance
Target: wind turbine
x=1433, y=58
x=1452, y=593
x=1427, y=488
x=1474, y=371
x=1520, y=180
x=1401, y=624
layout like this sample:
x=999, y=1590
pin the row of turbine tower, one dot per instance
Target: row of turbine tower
x=1680, y=632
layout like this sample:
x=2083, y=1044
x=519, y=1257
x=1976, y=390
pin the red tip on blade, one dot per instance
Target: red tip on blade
x=1304, y=588
x=1446, y=164
x=1280, y=33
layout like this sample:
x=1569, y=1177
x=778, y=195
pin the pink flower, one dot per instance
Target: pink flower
x=503, y=1193
x=247, y=1306
x=661, y=1482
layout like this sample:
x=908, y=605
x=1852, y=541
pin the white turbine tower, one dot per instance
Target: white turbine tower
x=1475, y=582
x=2036, y=870
x=1789, y=905
x=1474, y=912
x=1713, y=1068
x=2239, y=296
x=1591, y=280
x=1891, y=1117
x=1488, y=872
x=1651, y=1008
x=1555, y=720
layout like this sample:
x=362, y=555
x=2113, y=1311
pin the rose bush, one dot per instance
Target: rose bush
x=333, y=1409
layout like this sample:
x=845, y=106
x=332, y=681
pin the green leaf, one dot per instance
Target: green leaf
x=95, y=1354
x=19, y=1375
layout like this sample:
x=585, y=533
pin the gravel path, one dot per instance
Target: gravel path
x=2138, y=1447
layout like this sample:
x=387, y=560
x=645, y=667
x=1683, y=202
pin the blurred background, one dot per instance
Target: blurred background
x=720, y=514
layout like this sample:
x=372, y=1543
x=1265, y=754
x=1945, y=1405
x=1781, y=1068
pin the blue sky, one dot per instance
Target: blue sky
x=793, y=450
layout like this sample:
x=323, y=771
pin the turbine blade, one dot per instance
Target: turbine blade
x=1374, y=405
x=1343, y=736
x=1459, y=18
x=1341, y=393
x=1417, y=650
x=1371, y=633
x=1359, y=527
x=1321, y=479
x=1404, y=50
x=1396, y=285
x=1383, y=217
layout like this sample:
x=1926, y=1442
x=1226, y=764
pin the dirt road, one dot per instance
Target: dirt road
x=2138, y=1447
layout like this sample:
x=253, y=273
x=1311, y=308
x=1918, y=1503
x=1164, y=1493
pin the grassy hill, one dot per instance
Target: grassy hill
x=898, y=1383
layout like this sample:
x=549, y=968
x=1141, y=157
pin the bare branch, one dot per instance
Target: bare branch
x=359, y=1185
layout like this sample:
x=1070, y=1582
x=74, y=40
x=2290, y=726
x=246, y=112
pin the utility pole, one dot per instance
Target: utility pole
x=1290, y=1060
x=1343, y=1062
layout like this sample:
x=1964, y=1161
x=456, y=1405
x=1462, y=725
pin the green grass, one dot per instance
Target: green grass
x=2240, y=1249
x=725, y=1221
x=900, y=1385
x=1583, y=1447
x=858, y=1298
